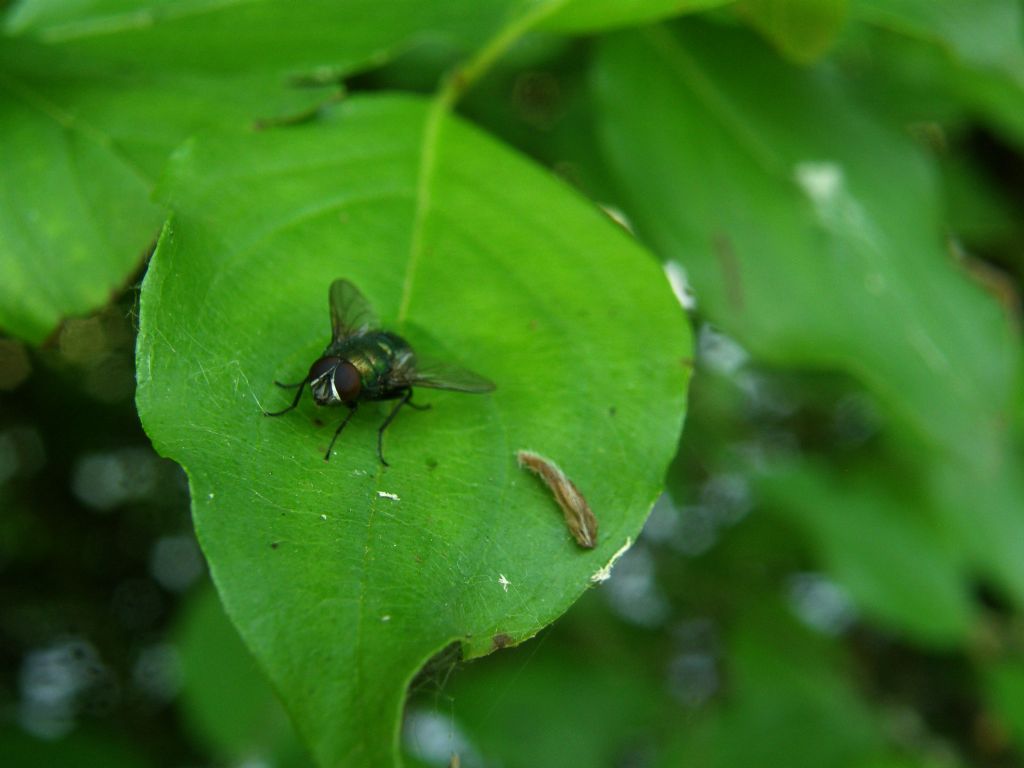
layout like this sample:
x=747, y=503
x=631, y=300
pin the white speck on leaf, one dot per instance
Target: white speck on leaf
x=604, y=572
x=387, y=495
x=386, y=617
x=323, y=517
x=505, y=583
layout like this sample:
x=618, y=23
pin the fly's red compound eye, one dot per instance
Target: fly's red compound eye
x=322, y=367
x=347, y=381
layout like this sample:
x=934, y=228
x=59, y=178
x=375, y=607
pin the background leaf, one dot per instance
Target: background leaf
x=1004, y=681
x=94, y=95
x=889, y=557
x=971, y=55
x=781, y=677
x=81, y=148
x=229, y=705
x=476, y=257
x=79, y=751
x=810, y=231
x=542, y=688
x=761, y=143
x=985, y=33
x=588, y=15
x=236, y=38
x=801, y=29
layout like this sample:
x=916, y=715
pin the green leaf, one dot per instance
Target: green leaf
x=978, y=47
x=788, y=696
x=344, y=577
x=95, y=94
x=591, y=15
x=810, y=232
x=1004, y=687
x=802, y=30
x=613, y=706
x=249, y=37
x=985, y=33
x=81, y=148
x=975, y=207
x=75, y=217
x=982, y=512
x=890, y=558
x=226, y=701
x=82, y=749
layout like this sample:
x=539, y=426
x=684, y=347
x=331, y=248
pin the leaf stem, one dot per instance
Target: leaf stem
x=456, y=83
x=464, y=76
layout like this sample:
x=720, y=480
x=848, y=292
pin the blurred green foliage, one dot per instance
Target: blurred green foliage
x=835, y=573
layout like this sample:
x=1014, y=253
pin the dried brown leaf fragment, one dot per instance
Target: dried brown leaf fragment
x=578, y=518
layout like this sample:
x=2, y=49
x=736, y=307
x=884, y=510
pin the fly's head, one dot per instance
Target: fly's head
x=333, y=381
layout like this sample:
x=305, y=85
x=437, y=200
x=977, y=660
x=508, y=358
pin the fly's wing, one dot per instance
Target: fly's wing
x=351, y=313
x=446, y=376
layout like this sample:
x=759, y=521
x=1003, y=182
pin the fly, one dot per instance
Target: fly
x=363, y=362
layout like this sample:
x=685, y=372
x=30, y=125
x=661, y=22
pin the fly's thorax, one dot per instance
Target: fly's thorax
x=376, y=355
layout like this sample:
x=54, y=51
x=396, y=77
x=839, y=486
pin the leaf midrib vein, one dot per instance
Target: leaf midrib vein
x=443, y=102
x=428, y=155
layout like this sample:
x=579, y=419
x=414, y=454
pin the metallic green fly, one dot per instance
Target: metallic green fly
x=363, y=362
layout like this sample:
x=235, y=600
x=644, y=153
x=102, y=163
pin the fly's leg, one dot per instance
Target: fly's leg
x=417, y=406
x=351, y=413
x=394, y=412
x=295, y=402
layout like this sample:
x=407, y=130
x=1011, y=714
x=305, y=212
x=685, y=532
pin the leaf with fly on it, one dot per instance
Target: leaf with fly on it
x=343, y=570
x=351, y=313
